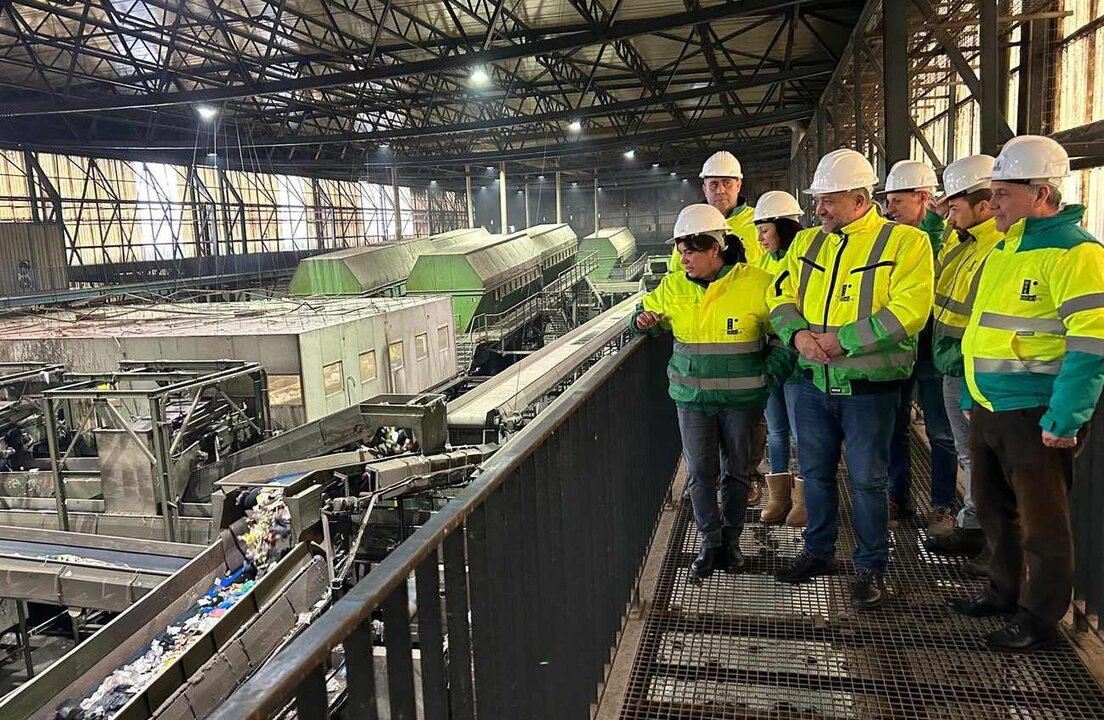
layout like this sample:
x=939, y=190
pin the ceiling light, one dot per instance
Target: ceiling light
x=655, y=165
x=482, y=187
x=206, y=113
x=673, y=173
x=490, y=168
x=212, y=154
x=574, y=184
x=479, y=76
x=630, y=154
x=432, y=182
x=685, y=180
x=540, y=177
x=384, y=145
x=575, y=126
x=599, y=189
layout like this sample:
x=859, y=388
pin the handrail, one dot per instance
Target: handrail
x=573, y=275
x=263, y=695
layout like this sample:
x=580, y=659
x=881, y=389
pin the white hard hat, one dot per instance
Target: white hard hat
x=906, y=175
x=700, y=219
x=1031, y=157
x=842, y=170
x=776, y=204
x=722, y=164
x=967, y=174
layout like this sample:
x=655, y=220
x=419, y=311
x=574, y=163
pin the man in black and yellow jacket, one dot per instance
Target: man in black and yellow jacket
x=720, y=374
x=852, y=297
x=1033, y=352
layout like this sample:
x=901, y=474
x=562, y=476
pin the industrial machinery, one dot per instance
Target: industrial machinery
x=614, y=248
x=372, y=269
x=558, y=246
x=505, y=402
x=23, y=449
x=292, y=537
x=481, y=277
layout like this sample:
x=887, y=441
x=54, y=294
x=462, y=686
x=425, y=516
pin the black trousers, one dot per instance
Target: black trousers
x=1021, y=488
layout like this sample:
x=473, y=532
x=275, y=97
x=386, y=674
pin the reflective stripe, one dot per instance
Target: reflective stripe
x=866, y=289
x=893, y=326
x=1093, y=346
x=784, y=315
x=946, y=303
x=1091, y=301
x=1022, y=324
x=741, y=383
x=951, y=331
x=865, y=328
x=1042, y=367
x=731, y=348
x=953, y=254
x=874, y=361
x=811, y=256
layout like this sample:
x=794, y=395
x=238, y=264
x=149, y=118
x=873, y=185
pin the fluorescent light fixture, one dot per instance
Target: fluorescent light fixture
x=212, y=154
x=540, y=177
x=630, y=154
x=575, y=126
x=490, y=168
x=673, y=173
x=685, y=180
x=655, y=165
x=207, y=113
x=479, y=76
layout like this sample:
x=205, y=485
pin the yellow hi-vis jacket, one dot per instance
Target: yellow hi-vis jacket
x=739, y=224
x=1036, y=333
x=957, y=274
x=872, y=284
x=723, y=358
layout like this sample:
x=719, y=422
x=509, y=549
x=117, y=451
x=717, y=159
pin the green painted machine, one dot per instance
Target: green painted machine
x=613, y=247
x=373, y=269
x=559, y=248
x=483, y=277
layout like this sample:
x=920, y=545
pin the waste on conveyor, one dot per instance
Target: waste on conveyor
x=267, y=538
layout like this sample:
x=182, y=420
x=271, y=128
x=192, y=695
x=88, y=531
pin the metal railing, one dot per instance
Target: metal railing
x=632, y=271
x=1086, y=513
x=486, y=325
x=544, y=547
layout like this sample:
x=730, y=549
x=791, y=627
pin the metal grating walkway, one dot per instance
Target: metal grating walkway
x=745, y=646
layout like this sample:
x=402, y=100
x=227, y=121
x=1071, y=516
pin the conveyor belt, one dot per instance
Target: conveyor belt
x=192, y=684
x=84, y=571
x=523, y=383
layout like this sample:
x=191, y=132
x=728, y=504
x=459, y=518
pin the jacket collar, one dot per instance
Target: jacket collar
x=706, y=283
x=982, y=230
x=1068, y=215
x=869, y=222
x=741, y=207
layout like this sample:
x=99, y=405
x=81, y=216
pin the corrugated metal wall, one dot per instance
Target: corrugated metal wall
x=32, y=258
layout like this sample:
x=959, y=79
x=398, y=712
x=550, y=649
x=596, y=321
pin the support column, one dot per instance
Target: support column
x=595, y=201
x=559, y=200
x=502, y=196
x=856, y=81
x=528, y=224
x=822, y=132
x=468, y=194
x=896, y=111
x=395, y=196
x=990, y=79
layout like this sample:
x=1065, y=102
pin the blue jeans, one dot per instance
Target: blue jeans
x=960, y=427
x=781, y=425
x=703, y=437
x=928, y=385
x=865, y=424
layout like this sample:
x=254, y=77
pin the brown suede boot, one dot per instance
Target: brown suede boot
x=798, y=516
x=778, y=501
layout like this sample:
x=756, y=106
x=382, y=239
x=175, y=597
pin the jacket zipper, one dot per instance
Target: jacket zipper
x=831, y=291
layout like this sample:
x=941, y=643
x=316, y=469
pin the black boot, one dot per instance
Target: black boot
x=805, y=567
x=708, y=560
x=1021, y=636
x=956, y=542
x=734, y=556
x=982, y=606
x=868, y=591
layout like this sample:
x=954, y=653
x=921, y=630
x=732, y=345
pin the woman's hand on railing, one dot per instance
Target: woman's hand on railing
x=647, y=320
